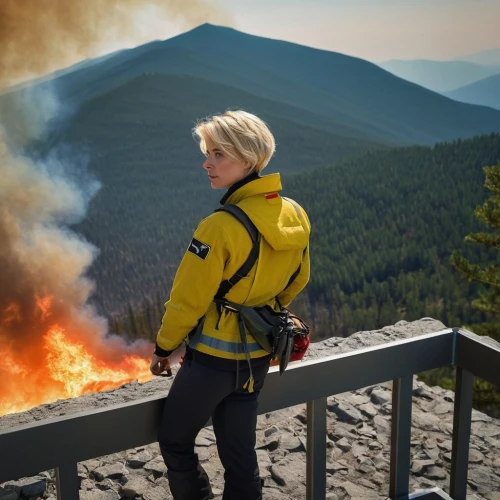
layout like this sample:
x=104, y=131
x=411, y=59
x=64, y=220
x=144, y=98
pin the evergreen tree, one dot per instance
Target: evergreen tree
x=486, y=396
x=489, y=275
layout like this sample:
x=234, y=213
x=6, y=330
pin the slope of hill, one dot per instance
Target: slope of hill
x=343, y=94
x=439, y=76
x=58, y=75
x=484, y=92
x=384, y=228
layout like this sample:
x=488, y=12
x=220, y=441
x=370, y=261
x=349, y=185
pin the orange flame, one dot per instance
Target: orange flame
x=62, y=368
x=80, y=372
x=43, y=304
x=12, y=313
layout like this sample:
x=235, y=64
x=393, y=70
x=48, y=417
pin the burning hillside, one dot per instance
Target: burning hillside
x=52, y=344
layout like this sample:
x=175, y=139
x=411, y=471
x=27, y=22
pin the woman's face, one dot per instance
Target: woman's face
x=222, y=171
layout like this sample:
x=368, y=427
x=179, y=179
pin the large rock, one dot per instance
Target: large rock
x=156, y=466
x=112, y=471
x=346, y=412
x=139, y=459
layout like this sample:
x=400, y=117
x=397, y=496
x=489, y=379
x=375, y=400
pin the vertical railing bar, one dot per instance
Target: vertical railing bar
x=399, y=481
x=67, y=482
x=316, y=450
x=462, y=417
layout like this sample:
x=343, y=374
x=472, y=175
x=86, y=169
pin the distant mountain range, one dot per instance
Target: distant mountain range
x=471, y=79
x=439, y=76
x=336, y=94
x=485, y=92
x=489, y=57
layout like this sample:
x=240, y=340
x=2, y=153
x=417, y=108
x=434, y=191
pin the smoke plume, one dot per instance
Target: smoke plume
x=38, y=36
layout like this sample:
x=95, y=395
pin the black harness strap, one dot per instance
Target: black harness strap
x=292, y=277
x=243, y=271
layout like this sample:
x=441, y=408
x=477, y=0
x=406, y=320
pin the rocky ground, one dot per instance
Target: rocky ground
x=358, y=441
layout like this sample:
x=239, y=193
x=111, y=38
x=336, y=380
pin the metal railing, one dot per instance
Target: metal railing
x=60, y=443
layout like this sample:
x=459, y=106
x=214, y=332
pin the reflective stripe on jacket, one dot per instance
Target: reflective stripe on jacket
x=284, y=244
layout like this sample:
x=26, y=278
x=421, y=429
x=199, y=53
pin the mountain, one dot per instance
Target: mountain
x=490, y=57
x=343, y=95
x=485, y=92
x=51, y=79
x=439, y=76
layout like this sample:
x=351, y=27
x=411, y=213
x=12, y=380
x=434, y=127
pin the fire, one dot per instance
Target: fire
x=63, y=367
x=43, y=304
x=80, y=372
x=11, y=313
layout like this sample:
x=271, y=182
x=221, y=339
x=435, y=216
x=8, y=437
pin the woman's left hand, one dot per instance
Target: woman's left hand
x=159, y=365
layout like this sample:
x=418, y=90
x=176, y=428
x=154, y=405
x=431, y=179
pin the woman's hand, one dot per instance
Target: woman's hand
x=159, y=365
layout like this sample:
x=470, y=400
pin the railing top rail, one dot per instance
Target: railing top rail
x=378, y=347
x=303, y=365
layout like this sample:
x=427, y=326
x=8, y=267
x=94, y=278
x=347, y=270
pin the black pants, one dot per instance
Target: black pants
x=198, y=393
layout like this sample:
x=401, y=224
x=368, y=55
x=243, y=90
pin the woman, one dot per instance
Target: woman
x=213, y=379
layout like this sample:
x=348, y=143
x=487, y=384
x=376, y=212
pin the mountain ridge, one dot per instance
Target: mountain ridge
x=485, y=92
x=488, y=57
x=348, y=93
x=438, y=76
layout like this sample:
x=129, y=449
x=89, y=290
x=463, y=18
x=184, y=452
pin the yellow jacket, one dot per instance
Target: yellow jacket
x=221, y=244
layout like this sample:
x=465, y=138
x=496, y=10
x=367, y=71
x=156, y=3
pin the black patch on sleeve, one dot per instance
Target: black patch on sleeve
x=200, y=249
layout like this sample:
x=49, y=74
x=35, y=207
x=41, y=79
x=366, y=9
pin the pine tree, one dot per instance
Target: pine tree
x=486, y=396
x=489, y=275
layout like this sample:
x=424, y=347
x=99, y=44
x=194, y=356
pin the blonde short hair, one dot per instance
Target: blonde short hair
x=240, y=135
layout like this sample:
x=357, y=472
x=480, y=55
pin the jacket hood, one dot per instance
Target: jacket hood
x=282, y=222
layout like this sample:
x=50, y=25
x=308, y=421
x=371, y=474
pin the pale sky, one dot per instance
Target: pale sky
x=371, y=29
x=376, y=29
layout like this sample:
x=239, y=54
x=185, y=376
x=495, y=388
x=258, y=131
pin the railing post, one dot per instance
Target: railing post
x=399, y=482
x=67, y=482
x=462, y=417
x=316, y=450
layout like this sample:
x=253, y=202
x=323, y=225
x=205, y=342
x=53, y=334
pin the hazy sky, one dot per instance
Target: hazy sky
x=371, y=29
x=376, y=29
